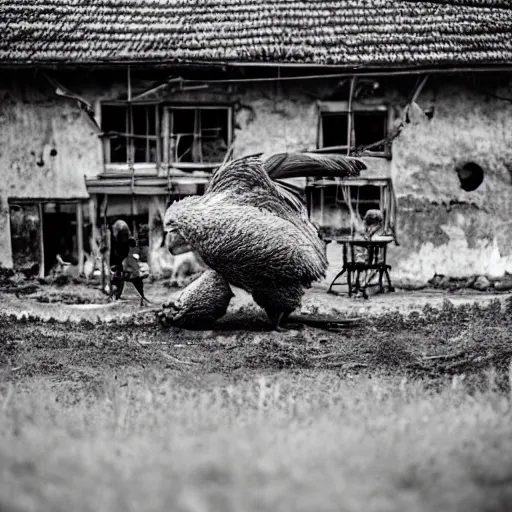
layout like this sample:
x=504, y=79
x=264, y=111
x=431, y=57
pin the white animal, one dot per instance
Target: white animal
x=65, y=268
x=184, y=266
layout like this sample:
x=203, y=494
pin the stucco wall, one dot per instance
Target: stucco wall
x=444, y=229
x=271, y=120
x=33, y=122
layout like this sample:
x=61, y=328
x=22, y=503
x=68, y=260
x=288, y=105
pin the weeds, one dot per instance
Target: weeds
x=282, y=442
x=405, y=412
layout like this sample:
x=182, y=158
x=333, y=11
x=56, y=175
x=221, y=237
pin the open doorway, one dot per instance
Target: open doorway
x=41, y=230
x=26, y=237
x=59, y=233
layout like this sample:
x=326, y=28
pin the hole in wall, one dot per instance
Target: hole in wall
x=53, y=152
x=471, y=176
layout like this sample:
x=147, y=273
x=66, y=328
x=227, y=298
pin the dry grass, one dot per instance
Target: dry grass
x=298, y=441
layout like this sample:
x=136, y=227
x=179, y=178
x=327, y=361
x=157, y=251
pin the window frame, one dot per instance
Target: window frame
x=342, y=107
x=166, y=133
x=139, y=167
x=387, y=199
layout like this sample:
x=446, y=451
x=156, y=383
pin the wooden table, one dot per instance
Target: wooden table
x=374, y=259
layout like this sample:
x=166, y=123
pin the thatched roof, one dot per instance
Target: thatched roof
x=348, y=33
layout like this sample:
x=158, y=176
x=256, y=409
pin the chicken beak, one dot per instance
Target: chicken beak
x=176, y=244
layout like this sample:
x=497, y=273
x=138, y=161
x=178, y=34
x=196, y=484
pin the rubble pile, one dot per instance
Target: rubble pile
x=478, y=282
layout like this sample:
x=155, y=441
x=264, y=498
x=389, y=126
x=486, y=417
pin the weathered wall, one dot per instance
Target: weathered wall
x=268, y=117
x=444, y=229
x=34, y=123
x=280, y=119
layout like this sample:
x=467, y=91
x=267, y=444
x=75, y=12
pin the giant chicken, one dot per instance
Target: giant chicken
x=253, y=232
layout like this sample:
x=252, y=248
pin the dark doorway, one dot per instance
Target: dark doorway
x=25, y=236
x=59, y=233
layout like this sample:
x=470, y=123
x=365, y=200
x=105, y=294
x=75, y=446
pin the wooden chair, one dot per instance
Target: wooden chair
x=374, y=262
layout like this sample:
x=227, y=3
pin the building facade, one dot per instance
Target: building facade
x=99, y=124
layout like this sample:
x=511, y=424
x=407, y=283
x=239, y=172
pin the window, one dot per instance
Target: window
x=362, y=198
x=369, y=124
x=189, y=136
x=329, y=204
x=130, y=132
x=198, y=135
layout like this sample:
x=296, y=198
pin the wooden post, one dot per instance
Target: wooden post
x=350, y=114
x=385, y=207
x=322, y=199
x=152, y=213
x=133, y=208
x=105, y=242
x=107, y=256
x=41, y=240
x=80, y=236
x=131, y=150
x=93, y=208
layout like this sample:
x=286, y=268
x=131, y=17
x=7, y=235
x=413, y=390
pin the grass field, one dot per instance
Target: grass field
x=400, y=414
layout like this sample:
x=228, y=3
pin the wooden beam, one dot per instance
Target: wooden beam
x=80, y=236
x=344, y=107
x=358, y=182
x=322, y=199
x=93, y=208
x=343, y=71
x=350, y=113
x=41, y=240
x=104, y=241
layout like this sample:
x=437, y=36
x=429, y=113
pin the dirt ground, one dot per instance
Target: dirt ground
x=426, y=331
x=102, y=408
x=80, y=301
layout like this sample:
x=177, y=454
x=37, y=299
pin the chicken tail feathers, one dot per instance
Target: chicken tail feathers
x=300, y=165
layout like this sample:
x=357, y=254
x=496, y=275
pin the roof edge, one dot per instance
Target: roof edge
x=342, y=70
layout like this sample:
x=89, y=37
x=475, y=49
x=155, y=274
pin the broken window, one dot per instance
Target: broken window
x=331, y=207
x=362, y=198
x=198, y=135
x=334, y=130
x=130, y=131
x=370, y=127
x=339, y=208
x=367, y=124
